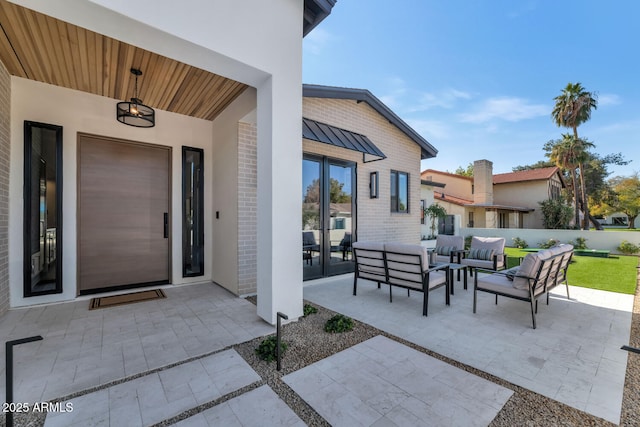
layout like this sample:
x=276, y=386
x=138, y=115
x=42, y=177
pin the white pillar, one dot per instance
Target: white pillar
x=279, y=199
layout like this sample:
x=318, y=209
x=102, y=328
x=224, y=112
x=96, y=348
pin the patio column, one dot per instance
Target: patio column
x=279, y=201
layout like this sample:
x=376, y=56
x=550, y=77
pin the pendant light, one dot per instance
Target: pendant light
x=134, y=112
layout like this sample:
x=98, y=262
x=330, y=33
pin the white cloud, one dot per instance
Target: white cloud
x=397, y=88
x=317, y=40
x=608, y=99
x=443, y=99
x=433, y=130
x=505, y=108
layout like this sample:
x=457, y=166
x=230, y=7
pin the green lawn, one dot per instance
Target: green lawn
x=616, y=273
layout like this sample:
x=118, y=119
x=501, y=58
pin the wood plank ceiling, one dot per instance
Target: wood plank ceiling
x=38, y=47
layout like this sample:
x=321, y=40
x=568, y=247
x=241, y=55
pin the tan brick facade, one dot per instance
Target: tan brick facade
x=374, y=218
x=247, y=208
x=5, y=143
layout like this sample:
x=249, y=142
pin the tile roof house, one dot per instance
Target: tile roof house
x=507, y=200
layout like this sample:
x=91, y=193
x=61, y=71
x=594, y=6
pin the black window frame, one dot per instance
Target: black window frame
x=27, y=177
x=395, y=188
x=198, y=214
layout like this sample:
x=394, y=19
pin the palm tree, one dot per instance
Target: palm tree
x=573, y=107
x=581, y=155
x=562, y=154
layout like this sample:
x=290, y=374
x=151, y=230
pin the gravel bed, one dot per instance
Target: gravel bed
x=309, y=343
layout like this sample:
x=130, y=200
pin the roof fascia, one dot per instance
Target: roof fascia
x=363, y=95
x=315, y=11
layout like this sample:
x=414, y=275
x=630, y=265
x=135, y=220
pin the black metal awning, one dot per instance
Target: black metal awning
x=327, y=134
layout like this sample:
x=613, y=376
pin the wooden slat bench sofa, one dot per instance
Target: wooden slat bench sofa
x=402, y=265
x=538, y=274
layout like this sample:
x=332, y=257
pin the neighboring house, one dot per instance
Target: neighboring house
x=210, y=193
x=427, y=191
x=618, y=219
x=508, y=200
x=528, y=188
x=360, y=176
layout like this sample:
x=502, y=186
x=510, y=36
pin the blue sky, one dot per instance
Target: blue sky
x=477, y=78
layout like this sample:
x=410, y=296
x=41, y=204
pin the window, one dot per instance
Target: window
x=42, y=233
x=470, y=225
x=503, y=219
x=192, y=212
x=423, y=204
x=399, y=192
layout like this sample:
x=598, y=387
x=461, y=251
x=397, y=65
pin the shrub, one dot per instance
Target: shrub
x=467, y=242
x=555, y=214
x=549, y=243
x=628, y=248
x=309, y=309
x=267, y=348
x=580, y=243
x=520, y=243
x=338, y=323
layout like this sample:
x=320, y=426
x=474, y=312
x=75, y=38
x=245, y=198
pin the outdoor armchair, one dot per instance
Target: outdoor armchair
x=447, y=247
x=486, y=253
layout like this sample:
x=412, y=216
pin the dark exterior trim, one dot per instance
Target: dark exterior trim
x=363, y=95
x=342, y=138
x=314, y=13
x=432, y=183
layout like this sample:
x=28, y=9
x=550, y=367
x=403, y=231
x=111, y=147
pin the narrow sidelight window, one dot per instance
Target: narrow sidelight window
x=42, y=209
x=192, y=212
x=399, y=192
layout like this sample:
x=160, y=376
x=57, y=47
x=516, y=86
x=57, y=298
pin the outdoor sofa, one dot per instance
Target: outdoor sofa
x=402, y=265
x=538, y=274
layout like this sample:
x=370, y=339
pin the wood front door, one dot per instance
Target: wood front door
x=123, y=213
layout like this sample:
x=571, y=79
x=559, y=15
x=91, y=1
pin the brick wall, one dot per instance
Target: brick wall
x=374, y=218
x=5, y=105
x=247, y=208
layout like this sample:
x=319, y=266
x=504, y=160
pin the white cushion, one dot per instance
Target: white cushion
x=495, y=243
x=395, y=253
x=454, y=241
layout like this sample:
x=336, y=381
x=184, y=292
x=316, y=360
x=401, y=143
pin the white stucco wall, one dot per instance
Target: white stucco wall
x=81, y=112
x=224, y=256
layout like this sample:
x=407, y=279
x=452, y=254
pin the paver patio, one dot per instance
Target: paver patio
x=573, y=356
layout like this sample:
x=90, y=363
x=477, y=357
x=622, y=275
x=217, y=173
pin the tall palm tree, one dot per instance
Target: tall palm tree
x=572, y=108
x=581, y=155
x=562, y=154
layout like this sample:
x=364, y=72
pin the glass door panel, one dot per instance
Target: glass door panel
x=312, y=259
x=340, y=218
x=327, y=217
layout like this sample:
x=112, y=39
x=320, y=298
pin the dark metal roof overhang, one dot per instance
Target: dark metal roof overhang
x=502, y=207
x=327, y=134
x=427, y=150
x=314, y=12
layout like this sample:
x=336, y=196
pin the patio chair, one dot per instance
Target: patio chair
x=447, y=247
x=408, y=267
x=309, y=246
x=486, y=253
x=345, y=245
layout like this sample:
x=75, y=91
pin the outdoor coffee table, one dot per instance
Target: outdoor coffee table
x=457, y=267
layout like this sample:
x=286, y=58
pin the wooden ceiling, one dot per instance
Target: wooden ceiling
x=41, y=48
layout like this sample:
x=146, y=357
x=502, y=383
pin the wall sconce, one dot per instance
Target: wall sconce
x=373, y=185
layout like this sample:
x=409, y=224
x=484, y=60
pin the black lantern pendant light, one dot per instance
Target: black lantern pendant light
x=134, y=112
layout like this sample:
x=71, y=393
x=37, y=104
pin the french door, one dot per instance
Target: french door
x=328, y=216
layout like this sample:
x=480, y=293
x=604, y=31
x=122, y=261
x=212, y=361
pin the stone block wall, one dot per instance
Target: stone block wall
x=247, y=208
x=5, y=143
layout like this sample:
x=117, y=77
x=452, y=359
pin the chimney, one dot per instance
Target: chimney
x=483, y=182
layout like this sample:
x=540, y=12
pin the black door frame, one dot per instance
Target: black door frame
x=325, y=218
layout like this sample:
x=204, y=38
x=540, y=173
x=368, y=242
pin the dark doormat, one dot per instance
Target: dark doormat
x=114, y=300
